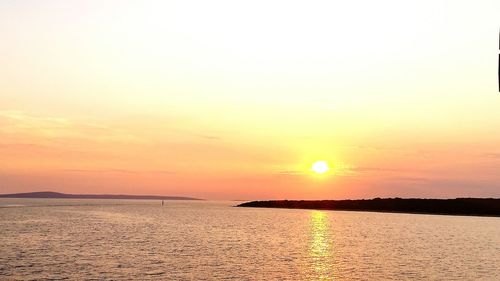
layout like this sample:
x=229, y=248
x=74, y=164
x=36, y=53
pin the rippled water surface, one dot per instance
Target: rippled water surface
x=188, y=240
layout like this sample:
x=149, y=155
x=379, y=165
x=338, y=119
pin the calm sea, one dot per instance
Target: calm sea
x=191, y=240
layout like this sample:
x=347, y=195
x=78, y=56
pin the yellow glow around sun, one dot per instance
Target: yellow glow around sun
x=320, y=167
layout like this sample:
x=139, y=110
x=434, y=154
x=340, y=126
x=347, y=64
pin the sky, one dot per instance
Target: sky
x=237, y=99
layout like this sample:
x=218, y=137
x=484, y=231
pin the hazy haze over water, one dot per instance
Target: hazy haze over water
x=118, y=239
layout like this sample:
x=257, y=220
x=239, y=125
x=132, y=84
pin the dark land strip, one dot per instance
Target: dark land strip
x=458, y=206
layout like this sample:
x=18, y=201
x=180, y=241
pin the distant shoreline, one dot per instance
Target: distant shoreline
x=459, y=206
x=57, y=195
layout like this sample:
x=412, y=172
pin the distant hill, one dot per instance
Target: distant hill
x=458, y=206
x=49, y=194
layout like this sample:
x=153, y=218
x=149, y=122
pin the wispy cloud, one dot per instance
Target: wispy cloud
x=495, y=155
x=412, y=179
x=374, y=169
x=290, y=172
x=210, y=137
x=124, y=171
x=19, y=126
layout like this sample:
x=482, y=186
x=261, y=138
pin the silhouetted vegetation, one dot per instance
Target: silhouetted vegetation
x=458, y=206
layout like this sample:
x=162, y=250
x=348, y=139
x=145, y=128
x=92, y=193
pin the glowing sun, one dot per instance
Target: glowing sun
x=320, y=167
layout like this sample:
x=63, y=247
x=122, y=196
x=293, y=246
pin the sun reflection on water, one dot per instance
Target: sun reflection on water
x=320, y=248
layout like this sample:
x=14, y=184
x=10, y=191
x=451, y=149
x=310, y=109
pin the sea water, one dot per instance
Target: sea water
x=57, y=239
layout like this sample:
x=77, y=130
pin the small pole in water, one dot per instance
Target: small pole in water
x=162, y=202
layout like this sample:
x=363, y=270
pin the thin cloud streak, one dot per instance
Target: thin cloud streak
x=117, y=171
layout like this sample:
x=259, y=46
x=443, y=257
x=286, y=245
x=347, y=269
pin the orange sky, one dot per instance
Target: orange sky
x=233, y=100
